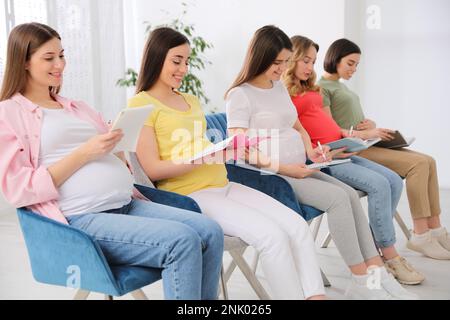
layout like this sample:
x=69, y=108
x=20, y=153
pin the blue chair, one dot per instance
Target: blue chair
x=62, y=255
x=272, y=185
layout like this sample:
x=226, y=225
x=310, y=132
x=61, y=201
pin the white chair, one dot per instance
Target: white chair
x=233, y=245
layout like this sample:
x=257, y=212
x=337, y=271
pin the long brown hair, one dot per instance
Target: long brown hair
x=24, y=40
x=159, y=43
x=264, y=48
x=295, y=86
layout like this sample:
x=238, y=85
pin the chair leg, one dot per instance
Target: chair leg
x=317, y=226
x=223, y=285
x=402, y=225
x=249, y=275
x=326, y=241
x=139, y=295
x=81, y=295
x=108, y=297
x=232, y=266
x=255, y=262
x=325, y=280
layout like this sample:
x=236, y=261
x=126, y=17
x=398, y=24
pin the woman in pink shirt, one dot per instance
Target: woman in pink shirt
x=56, y=160
x=382, y=185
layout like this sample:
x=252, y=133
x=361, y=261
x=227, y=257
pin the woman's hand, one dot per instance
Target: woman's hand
x=320, y=154
x=383, y=134
x=299, y=171
x=366, y=124
x=100, y=145
x=341, y=154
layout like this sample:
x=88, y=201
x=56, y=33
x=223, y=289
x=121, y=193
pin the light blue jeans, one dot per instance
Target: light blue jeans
x=383, y=187
x=186, y=245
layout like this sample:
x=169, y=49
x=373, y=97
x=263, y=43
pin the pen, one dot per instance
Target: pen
x=351, y=131
x=321, y=150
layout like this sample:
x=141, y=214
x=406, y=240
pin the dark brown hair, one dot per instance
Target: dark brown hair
x=24, y=40
x=159, y=43
x=338, y=50
x=264, y=48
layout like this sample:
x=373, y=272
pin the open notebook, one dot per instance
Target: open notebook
x=232, y=142
x=353, y=144
x=399, y=141
x=320, y=165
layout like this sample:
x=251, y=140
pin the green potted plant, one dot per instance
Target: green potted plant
x=197, y=62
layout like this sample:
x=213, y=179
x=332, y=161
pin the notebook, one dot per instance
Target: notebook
x=131, y=121
x=232, y=142
x=320, y=165
x=399, y=141
x=353, y=144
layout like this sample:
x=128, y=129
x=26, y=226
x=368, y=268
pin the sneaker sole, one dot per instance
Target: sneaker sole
x=409, y=283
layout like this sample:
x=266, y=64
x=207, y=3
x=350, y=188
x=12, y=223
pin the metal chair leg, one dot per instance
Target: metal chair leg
x=402, y=225
x=81, y=295
x=255, y=262
x=317, y=226
x=223, y=285
x=251, y=277
x=326, y=241
x=325, y=280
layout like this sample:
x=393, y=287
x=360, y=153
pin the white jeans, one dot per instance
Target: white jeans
x=279, y=234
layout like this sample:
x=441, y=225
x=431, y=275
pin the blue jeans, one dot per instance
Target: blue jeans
x=186, y=245
x=383, y=187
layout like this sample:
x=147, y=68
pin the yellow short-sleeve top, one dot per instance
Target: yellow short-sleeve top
x=180, y=135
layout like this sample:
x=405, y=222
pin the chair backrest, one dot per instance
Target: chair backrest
x=281, y=190
x=140, y=177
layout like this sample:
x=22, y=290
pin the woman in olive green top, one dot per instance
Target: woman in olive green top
x=419, y=170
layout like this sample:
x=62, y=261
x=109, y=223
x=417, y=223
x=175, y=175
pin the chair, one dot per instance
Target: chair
x=233, y=245
x=65, y=256
x=272, y=185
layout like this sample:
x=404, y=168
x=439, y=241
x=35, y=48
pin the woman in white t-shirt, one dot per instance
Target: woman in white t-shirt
x=258, y=104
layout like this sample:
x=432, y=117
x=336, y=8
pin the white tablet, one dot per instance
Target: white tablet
x=131, y=121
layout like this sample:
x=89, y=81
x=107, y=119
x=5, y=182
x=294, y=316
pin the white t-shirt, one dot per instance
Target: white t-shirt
x=98, y=186
x=267, y=112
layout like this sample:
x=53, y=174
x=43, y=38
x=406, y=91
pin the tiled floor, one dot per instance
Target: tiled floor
x=16, y=281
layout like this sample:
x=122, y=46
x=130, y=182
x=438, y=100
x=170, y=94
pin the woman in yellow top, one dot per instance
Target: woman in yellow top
x=175, y=131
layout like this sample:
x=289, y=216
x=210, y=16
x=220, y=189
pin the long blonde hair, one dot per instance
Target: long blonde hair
x=24, y=40
x=295, y=86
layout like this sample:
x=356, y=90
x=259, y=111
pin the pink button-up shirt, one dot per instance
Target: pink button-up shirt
x=24, y=183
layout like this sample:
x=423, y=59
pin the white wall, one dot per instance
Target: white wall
x=229, y=25
x=403, y=76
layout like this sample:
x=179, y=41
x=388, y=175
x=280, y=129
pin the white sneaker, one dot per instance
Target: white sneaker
x=394, y=288
x=428, y=245
x=359, y=290
x=442, y=236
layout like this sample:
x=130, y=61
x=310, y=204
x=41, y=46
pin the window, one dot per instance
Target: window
x=92, y=36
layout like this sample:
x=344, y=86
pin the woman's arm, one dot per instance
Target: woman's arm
x=93, y=149
x=262, y=161
x=148, y=155
x=317, y=154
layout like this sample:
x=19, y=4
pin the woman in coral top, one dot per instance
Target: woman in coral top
x=382, y=185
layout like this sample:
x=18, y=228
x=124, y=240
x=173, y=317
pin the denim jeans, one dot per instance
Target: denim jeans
x=186, y=245
x=383, y=187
